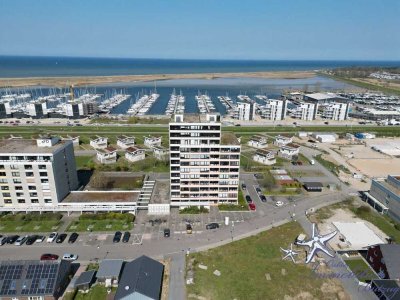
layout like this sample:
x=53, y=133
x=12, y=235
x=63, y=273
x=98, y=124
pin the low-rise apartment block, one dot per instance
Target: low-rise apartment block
x=99, y=142
x=258, y=141
x=107, y=155
x=281, y=140
x=203, y=170
x=305, y=111
x=289, y=150
x=335, y=111
x=274, y=110
x=124, y=142
x=265, y=157
x=135, y=154
x=38, y=172
x=152, y=141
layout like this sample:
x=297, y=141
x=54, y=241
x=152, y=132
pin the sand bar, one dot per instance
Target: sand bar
x=97, y=80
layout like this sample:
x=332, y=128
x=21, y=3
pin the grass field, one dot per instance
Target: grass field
x=47, y=222
x=102, y=222
x=360, y=269
x=83, y=162
x=245, y=265
x=335, y=169
x=97, y=292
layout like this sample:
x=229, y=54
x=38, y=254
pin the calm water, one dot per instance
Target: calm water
x=11, y=66
x=191, y=87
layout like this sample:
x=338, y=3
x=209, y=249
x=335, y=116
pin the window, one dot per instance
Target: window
x=2, y=173
x=15, y=174
x=2, y=180
x=18, y=188
x=33, y=194
x=5, y=188
x=34, y=201
x=1, y=167
x=28, y=167
x=17, y=180
x=7, y=201
x=29, y=174
x=14, y=167
x=42, y=167
x=43, y=174
x=32, y=188
x=20, y=194
x=5, y=195
x=21, y=200
x=48, y=201
x=44, y=180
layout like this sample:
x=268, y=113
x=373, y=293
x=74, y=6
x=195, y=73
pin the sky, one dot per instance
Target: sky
x=203, y=29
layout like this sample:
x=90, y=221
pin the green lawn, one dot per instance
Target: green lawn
x=245, y=265
x=32, y=222
x=102, y=222
x=242, y=204
x=97, y=292
x=360, y=269
x=83, y=162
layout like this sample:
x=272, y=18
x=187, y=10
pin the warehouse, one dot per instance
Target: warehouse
x=325, y=137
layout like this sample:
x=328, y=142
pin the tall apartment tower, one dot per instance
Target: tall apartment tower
x=306, y=111
x=204, y=165
x=335, y=111
x=36, y=173
x=274, y=110
x=246, y=111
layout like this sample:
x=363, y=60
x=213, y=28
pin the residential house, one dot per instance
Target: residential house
x=152, y=141
x=107, y=155
x=134, y=154
x=281, y=140
x=124, y=142
x=98, y=142
x=264, y=157
x=289, y=150
x=258, y=141
x=109, y=271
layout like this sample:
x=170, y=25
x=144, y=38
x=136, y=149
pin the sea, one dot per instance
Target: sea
x=20, y=67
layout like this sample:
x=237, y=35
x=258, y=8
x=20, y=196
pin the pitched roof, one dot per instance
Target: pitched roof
x=388, y=288
x=143, y=276
x=391, y=255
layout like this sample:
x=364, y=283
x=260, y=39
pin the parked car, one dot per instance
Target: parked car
x=167, y=232
x=21, y=240
x=48, y=256
x=189, y=229
x=243, y=186
x=252, y=206
x=61, y=237
x=3, y=240
x=12, y=238
x=248, y=199
x=117, y=237
x=73, y=237
x=258, y=176
x=52, y=237
x=258, y=190
x=279, y=203
x=212, y=226
x=69, y=256
x=263, y=198
x=31, y=239
x=40, y=239
x=127, y=236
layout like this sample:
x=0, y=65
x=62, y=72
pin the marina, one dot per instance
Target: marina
x=176, y=104
x=143, y=104
x=204, y=103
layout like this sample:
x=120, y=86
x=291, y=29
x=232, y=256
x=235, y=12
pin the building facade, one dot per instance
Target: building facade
x=202, y=170
x=335, y=111
x=274, y=110
x=305, y=111
x=36, y=173
x=245, y=111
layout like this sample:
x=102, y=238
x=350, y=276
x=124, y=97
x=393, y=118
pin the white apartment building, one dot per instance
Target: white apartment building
x=245, y=111
x=124, y=142
x=76, y=109
x=335, y=111
x=134, y=154
x=258, y=141
x=274, y=110
x=203, y=171
x=107, y=155
x=37, y=109
x=36, y=173
x=289, y=150
x=152, y=141
x=305, y=111
x=265, y=157
x=98, y=142
x=281, y=140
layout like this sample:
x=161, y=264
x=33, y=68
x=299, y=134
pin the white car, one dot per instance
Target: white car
x=20, y=240
x=279, y=203
x=71, y=257
x=40, y=239
x=52, y=237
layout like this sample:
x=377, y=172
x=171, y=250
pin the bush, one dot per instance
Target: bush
x=363, y=210
x=105, y=216
x=397, y=226
x=194, y=210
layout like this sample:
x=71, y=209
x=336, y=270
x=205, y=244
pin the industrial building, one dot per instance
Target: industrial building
x=36, y=173
x=384, y=196
x=203, y=170
x=320, y=98
x=324, y=137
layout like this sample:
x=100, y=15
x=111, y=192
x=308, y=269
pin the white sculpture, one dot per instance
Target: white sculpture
x=289, y=253
x=317, y=243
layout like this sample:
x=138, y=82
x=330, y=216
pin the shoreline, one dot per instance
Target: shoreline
x=97, y=80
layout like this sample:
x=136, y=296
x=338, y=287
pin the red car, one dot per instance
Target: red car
x=48, y=256
x=252, y=206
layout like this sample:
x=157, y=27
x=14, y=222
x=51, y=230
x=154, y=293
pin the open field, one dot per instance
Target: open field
x=253, y=268
x=96, y=80
x=33, y=222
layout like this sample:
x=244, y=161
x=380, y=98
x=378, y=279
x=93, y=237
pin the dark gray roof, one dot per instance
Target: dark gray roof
x=143, y=276
x=313, y=184
x=85, y=278
x=391, y=256
x=389, y=288
x=110, y=268
x=25, y=278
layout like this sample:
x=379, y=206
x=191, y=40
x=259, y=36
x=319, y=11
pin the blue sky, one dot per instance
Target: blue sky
x=209, y=29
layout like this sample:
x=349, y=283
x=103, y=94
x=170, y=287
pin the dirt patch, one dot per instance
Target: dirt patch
x=165, y=285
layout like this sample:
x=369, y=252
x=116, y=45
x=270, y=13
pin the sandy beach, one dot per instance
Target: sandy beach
x=97, y=80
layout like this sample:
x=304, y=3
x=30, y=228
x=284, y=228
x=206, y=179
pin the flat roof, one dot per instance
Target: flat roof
x=89, y=196
x=263, y=152
x=160, y=193
x=110, y=268
x=391, y=255
x=313, y=184
x=358, y=234
x=28, y=146
x=322, y=96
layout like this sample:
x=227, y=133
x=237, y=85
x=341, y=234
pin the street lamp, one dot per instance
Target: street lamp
x=232, y=229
